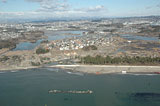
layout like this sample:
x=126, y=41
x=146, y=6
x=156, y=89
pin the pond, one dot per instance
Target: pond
x=136, y=37
x=52, y=35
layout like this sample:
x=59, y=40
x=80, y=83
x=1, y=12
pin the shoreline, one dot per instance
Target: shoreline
x=19, y=68
x=107, y=69
x=95, y=69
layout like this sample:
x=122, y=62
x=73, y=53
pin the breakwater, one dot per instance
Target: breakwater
x=71, y=91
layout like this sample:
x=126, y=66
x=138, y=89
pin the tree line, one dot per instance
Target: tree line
x=100, y=60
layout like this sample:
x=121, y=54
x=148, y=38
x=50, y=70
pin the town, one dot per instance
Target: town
x=113, y=25
x=115, y=37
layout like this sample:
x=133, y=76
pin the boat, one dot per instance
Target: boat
x=71, y=91
x=97, y=73
x=157, y=72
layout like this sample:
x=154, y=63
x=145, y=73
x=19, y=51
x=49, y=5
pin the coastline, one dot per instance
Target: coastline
x=107, y=69
x=18, y=68
x=95, y=69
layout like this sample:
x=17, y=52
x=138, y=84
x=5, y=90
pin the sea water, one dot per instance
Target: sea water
x=30, y=88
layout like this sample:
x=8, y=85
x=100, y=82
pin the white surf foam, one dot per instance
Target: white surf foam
x=74, y=73
x=143, y=74
x=14, y=71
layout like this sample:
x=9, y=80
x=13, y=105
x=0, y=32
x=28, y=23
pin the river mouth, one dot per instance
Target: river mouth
x=51, y=35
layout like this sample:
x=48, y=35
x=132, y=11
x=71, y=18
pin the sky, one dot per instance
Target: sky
x=33, y=9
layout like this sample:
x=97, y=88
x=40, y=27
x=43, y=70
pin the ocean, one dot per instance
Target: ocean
x=30, y=88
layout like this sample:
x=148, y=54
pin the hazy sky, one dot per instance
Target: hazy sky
x=77, y=8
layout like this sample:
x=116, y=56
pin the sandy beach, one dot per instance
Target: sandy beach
x=105, y=69
x=96, y=69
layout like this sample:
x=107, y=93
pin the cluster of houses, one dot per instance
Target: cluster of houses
x=80, y=42
x=8, y=35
